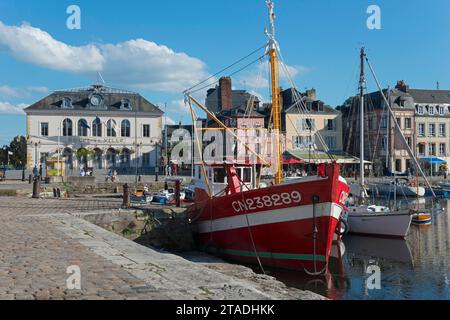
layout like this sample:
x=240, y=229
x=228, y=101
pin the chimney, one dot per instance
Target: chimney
x=402, y=86
x=225, y=93
x=311, y=94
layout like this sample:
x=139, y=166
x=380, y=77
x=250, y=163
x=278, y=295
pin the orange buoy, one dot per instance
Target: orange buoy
x=422, y=218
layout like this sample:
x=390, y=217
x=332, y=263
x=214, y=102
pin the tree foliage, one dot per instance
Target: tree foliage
x=18, y=147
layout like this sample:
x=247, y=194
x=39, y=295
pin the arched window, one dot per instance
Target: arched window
x=97, y=127
x=68, y=158
x=111, y=158
x=98, y=160
x=125, y=157
x=83, y=128
x=111, y=127
x=67, y=128
x=125, y=128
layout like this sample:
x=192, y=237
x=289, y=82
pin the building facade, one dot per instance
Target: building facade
x=302, y=127
x=422, y=115
x=96, y=127
x=432, y=121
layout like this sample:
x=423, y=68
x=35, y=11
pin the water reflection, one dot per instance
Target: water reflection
x=415, y=268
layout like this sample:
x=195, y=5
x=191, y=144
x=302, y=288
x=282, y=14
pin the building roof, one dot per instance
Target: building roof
x=290, y=106
x=430, y=96
x=109, y=99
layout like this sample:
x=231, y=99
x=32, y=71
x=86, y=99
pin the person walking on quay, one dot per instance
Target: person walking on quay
x=35, y=171
x=40, y=171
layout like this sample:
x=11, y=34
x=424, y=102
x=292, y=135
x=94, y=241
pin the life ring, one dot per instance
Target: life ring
x=338, y=230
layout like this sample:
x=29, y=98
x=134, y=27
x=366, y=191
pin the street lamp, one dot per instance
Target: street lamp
x=136, y=159
x=35, y=144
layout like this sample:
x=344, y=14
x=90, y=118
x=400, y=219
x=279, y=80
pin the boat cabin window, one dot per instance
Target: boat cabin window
x=247, y=175
x=219, y=175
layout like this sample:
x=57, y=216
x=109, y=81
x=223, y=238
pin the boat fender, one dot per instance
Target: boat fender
x=343, y=223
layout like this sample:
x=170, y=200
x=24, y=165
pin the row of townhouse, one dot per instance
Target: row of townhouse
x=424, y=120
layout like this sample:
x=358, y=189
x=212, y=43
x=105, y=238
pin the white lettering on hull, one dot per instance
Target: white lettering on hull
x=270, y=217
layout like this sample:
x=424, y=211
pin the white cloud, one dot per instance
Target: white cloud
x=170, y=121
x=8, y=108
x=147, y=65
x=8, y=91
x=41, y=89
x=136, y=63
x=259, y=77
x=36, y=46
x=12, y=92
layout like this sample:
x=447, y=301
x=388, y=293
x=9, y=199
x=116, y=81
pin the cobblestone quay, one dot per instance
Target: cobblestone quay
x=41, y=238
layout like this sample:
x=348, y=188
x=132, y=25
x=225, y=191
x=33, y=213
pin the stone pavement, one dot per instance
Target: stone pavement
x=41, y=238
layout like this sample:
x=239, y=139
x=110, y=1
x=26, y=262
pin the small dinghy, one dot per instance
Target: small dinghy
x=422, y=218
x=141, y=196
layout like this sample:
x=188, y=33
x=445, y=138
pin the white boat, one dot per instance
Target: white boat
x=378, y=221
x=375, y=220
x=400, y=188
x=444, y=186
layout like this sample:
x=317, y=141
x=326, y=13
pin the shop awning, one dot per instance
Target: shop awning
x=290, y=159
x=433, y=160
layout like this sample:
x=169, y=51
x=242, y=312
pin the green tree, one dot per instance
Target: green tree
x=18, y=147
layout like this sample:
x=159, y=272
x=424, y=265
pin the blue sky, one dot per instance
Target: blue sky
x=185, y=41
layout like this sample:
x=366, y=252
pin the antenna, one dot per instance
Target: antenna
x=437, y=85
x=100, y=79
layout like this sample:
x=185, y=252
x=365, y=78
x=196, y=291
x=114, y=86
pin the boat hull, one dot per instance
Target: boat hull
x=389, y=189
x=295, y=233
x=391, y=225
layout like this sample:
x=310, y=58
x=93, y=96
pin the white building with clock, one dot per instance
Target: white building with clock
x=96, y=127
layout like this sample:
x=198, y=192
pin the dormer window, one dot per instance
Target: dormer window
x=126, y=104
x=441, y=111
x=431, y=110
x=320, y=107
x=420, y=110
x=66, y=103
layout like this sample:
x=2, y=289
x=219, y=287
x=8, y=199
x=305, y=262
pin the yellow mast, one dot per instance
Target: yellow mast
x=276, y=103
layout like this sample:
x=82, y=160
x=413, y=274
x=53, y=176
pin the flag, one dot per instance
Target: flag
x=84, y=124
x=97, y=120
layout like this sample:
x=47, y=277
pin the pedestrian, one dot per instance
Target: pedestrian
x=169, y=171
x=35, y=171
x=40, y=170
x=109, y=176
x=445, y=172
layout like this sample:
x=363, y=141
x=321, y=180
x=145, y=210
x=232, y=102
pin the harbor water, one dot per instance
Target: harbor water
x=415, y=268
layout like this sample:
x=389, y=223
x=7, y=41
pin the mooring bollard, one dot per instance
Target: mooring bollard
x=23, y=174
x=36, y=188
x=126, y=195
x=178, y=193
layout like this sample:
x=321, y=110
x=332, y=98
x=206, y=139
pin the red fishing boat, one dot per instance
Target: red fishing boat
x=285, y=224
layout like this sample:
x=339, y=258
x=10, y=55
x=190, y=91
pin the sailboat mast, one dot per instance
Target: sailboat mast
x=362, y=80
x=276, y=105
